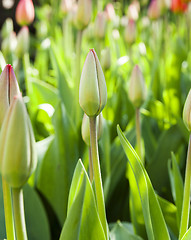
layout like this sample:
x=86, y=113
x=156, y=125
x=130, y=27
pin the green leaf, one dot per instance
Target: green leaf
x=187, y=235
x=57, y=167
x=177, y=186
x=121, y=232
x=82, y=220
x=154, y=220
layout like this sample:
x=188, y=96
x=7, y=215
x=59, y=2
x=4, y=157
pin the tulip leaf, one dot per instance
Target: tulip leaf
x=154, y=221
x=177, y=186
x=56, y=171
x=187, y=235
x=121, y=232
x=82, y=222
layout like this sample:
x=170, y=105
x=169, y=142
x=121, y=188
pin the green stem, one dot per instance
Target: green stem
x=8, y=211
x=19, y=214
x=138, y=133
x=78, y=72
x=186, y=198
x=97, y=175
x=90, y=166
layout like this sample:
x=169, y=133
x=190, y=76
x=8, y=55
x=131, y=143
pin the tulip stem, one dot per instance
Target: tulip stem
x=138, y=133
x=90, y=166
x=78, y=72
x=186, y=197
x=8, y=210
x=19, y=214
x=97, y=175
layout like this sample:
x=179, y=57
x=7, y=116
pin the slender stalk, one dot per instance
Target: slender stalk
x=19, y=214
x=138, y=133
x=97, y=175
x=78, y=72
x=90, y=166
x=186, y=198
x=9, y=222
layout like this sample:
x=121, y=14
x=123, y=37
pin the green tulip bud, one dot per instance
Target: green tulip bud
x=83, y=14
x=8, y=89
x=23, y=41
x=93, y=90
x=106, y=58
x=17, y=152
x=85, y=130
x=137, y=90
x=187, y=111
x=100, y=25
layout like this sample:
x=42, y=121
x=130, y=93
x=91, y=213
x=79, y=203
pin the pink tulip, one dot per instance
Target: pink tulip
x=25, y=12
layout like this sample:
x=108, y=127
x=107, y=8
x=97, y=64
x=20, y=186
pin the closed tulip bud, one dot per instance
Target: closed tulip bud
x=110, y=12
x=130, y=32
x=106, y=58
x=9, y=44
x=137, y=90
x=23, y=41
x=133, y=10
x=86, y=128
x=83, y=14
x=187, y=111
x=66, y=6
x=164, y=4
x=93, y=90
x=177, y=6
x=8, y=89
x=7, y=28
x=154, y=10
x=100, y=25
x=17, y=151
x=25, y=12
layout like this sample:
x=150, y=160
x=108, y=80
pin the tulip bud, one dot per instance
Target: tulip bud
x=66, y=6
x=93, y=90
x=86, y=128
x=83, y=14
x=110, y=12
x=130, y=32
x=177, y=6
x=22, y=41
x=105, y=58
x=25, y=12
x=154, y=10
x=100, y=25
x=17, y=152
x=7, y=28
x=187, y=111
x=133, y=10
x=9, y=44
x=164, y=4
x=8, y=89
x=137, y=91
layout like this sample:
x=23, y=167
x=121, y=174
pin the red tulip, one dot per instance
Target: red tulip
x=178, y=6
x=25, y=12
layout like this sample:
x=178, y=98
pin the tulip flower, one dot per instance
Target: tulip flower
x=187, y=111
x=8, y=89
x=83, y=14
x=110, y=12
x=23, y=40
x=100, y=25
x=25, y=12
x=92, y=91
x=130, y=32
x=154, y=10
x=17, y=145
x=137, y=91
x=66, y=6
x=106, y=58
x=133, y=10
x=9, y=43
x=178, y=6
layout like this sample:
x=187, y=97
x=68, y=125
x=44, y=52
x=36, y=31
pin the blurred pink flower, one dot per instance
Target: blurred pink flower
x=25, y=12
